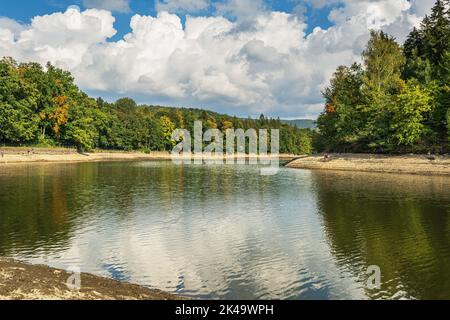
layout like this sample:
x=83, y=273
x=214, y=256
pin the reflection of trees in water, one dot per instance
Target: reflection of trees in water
x=34, y=202
x=42, y=205
x=400, y=223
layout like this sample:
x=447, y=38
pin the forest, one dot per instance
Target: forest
x=397, y=100
x=43, y=107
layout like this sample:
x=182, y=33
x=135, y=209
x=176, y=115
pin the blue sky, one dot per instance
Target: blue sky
x=240, y=57
x=25, y=10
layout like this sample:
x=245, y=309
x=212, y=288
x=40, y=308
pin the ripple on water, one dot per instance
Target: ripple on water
x=227, y=232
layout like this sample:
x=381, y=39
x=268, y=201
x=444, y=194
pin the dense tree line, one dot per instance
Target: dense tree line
x=398, y=99
x=43, y=106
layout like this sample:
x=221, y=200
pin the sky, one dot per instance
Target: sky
x=240, y=57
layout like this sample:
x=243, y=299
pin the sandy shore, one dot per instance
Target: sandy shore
x=410, y=164
x=73, y=156
x=21, y=281
x=29, y=155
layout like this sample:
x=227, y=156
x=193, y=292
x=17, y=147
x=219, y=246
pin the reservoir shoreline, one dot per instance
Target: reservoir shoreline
x=10, y=155
x=400, y=164
x=23, y=281
x=407, y=164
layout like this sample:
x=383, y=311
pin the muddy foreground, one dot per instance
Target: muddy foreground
x=21, y=281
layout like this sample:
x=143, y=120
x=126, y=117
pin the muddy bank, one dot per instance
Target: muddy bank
x=30, y=155
x=73, y=156
x=408, y=164
x=21, y=281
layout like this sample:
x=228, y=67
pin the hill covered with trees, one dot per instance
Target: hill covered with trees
x=301, y=123
x=398, y=99
x=43, y=106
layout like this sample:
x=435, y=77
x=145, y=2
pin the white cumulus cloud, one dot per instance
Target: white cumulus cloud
x=262, y=63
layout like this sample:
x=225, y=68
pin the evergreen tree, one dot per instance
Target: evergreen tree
x=413, y=46
x=436, y=33
x=416, y=64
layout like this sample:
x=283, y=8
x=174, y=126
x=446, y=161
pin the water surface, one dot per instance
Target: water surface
x=225, y=232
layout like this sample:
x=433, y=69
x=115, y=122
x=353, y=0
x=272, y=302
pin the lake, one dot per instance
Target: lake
x=225, y=232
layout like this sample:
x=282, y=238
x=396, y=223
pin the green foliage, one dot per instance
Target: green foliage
x=343, y=122
x=383, y=61
x=81, y=129
x=448, y=126
x=43, y=106
x=301, y=123
x=168, y=127
x=435, y=31
x=18, y=120
x=408, y=114
x=398, y=101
